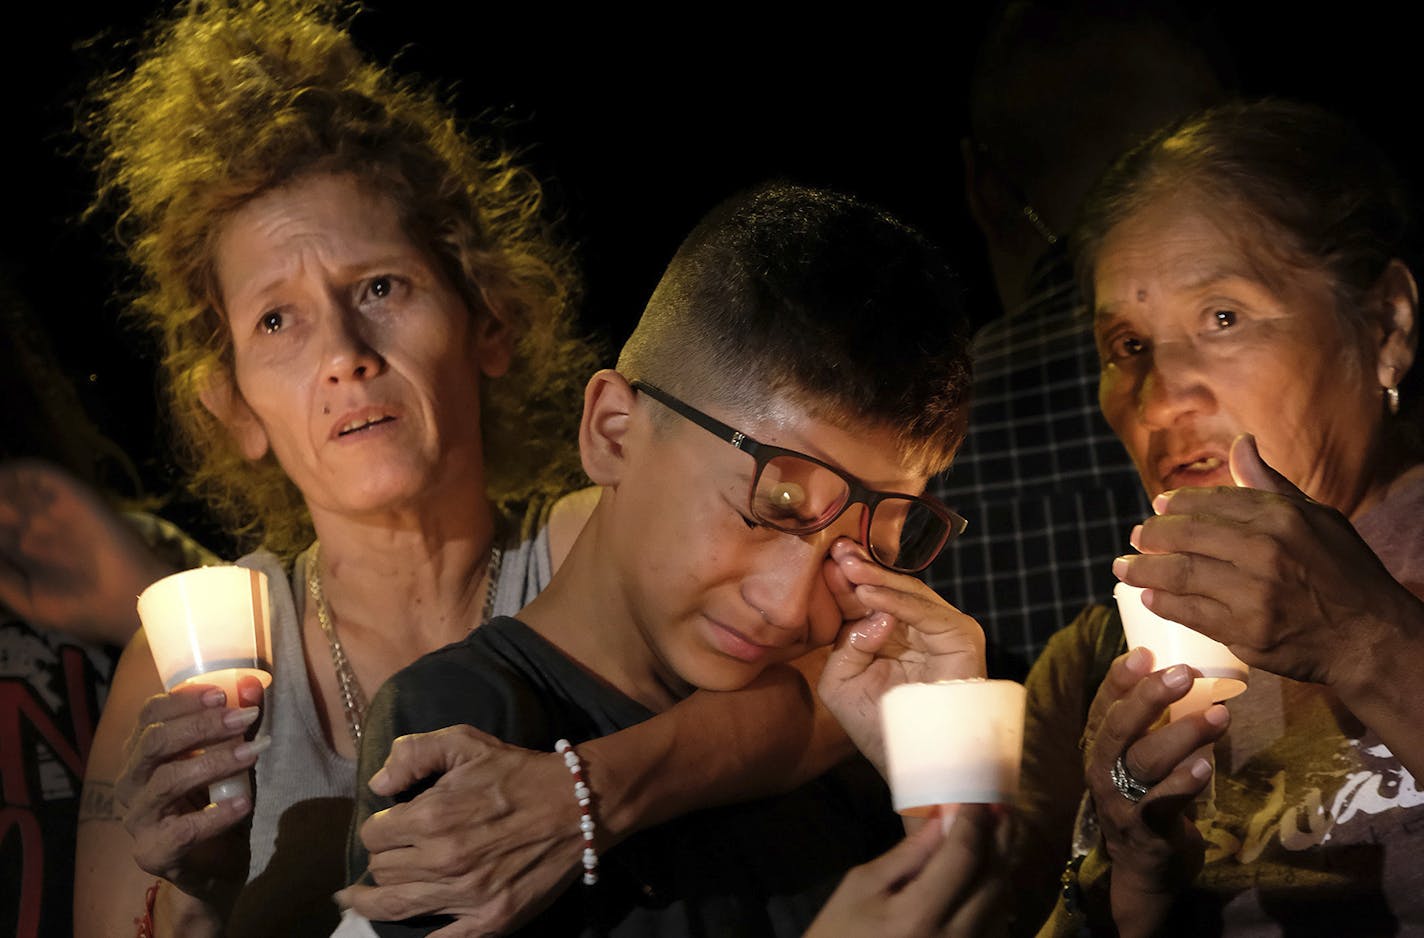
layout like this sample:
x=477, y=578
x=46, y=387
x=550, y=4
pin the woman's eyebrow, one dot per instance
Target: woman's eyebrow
x=403, y=259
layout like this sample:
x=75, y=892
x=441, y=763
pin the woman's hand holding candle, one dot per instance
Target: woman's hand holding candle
x=1283, y=581
x=1291, y=588
x=1155, y=848
x=163, y=790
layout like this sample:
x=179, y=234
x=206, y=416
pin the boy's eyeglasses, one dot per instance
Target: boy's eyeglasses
x=801, y=495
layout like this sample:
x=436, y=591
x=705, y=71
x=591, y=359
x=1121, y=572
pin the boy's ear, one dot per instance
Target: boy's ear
x=225, y=402
x=608, y=402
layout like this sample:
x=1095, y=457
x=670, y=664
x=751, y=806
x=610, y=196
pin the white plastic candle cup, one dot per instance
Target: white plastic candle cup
x=211, y=625
x=1223, y=675
x=953, y=742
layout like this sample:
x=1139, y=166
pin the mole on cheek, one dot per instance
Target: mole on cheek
x=1141, y=295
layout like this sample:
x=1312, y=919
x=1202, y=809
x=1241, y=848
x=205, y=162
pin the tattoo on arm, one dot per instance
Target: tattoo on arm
x=97, y=803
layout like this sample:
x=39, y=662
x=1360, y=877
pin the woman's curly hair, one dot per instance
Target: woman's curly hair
x=230, y=100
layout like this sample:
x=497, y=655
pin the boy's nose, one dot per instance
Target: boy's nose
x=790, y=581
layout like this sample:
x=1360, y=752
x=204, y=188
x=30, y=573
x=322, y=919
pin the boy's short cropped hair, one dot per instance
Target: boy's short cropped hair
x=790, y=292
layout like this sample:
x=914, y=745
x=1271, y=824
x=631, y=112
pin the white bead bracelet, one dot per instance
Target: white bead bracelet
x=585, y=803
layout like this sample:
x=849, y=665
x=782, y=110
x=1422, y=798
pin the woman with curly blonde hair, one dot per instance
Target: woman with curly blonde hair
x=365, y=338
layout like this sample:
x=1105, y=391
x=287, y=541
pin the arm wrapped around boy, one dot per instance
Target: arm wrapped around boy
x=759, y=868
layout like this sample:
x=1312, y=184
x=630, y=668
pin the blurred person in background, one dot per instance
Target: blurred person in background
x=70, y=567
x=1059, y=91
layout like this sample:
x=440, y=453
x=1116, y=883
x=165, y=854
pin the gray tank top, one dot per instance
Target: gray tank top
x=304, y=789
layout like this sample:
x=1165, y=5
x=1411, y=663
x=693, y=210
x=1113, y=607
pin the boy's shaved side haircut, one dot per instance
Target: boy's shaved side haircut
x=813, y=296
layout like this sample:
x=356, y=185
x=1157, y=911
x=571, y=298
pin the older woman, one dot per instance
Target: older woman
x=365, y=340
x=1255, y=317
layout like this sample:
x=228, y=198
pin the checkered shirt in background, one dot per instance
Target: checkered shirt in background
x=1049, y=492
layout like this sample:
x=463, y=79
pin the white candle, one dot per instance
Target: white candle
x=1223, y=675
x=211, y=625
x=954, y=742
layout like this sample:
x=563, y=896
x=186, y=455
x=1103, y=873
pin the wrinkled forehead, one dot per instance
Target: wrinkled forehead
x=1189, y=239
x=343, y=220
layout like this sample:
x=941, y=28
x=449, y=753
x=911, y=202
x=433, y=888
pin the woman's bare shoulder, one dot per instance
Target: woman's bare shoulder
x=567, y=518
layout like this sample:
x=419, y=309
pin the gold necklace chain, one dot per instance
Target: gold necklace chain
x=353, y=698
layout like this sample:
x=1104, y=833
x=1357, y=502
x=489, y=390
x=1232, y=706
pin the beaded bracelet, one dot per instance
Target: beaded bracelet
x=585, y=802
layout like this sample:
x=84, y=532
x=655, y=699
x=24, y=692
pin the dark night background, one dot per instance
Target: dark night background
x=638, y=123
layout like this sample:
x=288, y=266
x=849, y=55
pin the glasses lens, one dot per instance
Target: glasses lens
x=906, y=533
x=797, y=495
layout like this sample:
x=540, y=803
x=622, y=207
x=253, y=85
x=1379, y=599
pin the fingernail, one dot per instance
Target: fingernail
x=1177, y=676
x=948, y=814
x=252, y=749
x=244, y=716
x=1121, y=565
x=872, y=628
x=1201, y=770
x=1159, y=504
x=339, y=897
x=1139, y=660
x=214, y=697
x=380, y=778
x=860, y=636
x=1217, y=715
x=239, y=805
x=1135, y=538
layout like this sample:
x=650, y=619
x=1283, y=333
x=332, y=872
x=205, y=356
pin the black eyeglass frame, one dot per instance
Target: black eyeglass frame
x=857, y=493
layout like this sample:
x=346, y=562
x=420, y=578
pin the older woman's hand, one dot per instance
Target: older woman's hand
x=186, y=740
x=1155, y=848
x=490, y=843
x=1284, y=581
